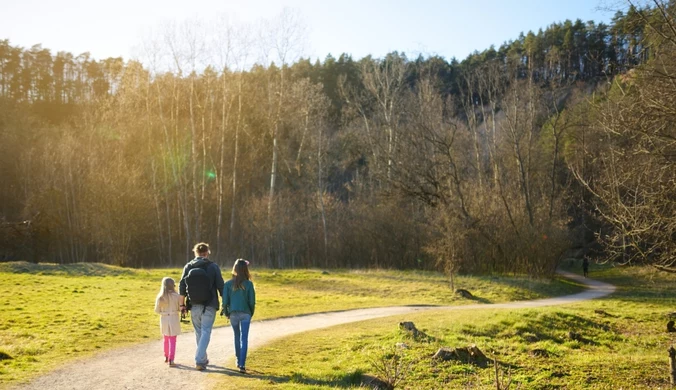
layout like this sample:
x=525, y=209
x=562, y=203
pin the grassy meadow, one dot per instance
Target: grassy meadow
x=622, y=345
x=53, y=313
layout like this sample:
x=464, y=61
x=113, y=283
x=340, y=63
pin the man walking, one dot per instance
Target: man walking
x=585, y=266
x=201, y=282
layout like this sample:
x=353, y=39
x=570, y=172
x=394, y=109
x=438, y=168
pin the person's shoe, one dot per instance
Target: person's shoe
x=171, y=363
x=166, y=359
x=242, y=370
x=201, y=367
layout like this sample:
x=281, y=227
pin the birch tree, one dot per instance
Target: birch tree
x=283, y=40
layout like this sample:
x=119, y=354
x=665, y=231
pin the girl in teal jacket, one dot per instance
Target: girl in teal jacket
x=239, y=305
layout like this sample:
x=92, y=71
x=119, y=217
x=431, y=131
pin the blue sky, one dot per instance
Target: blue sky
x=359, y=27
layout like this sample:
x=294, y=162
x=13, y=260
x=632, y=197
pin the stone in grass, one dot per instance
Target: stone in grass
x=471, y=354
x=325, y=272
x=444, y=354
x=410, y=327
x=539, y=352
x=531, y=338
x=580, y=338
x=670, y=326
x=575, y=336
x=373, y=382
x=5, y=356
x=464, y=293
x=402, y=345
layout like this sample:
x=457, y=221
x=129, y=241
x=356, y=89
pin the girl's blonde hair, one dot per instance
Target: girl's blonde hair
x=168, y=287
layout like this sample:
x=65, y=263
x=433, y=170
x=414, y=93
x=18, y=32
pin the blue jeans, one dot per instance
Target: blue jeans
x=240, y=322
x=202, y=320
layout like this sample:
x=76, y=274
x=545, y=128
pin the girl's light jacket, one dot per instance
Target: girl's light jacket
x=170, y=322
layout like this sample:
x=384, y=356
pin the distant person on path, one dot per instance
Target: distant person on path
x=167, y=306
x=239, y=304
x=201, y=282
x=585, y=267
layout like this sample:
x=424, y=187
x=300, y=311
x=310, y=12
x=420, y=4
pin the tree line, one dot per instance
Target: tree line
x=498, y=163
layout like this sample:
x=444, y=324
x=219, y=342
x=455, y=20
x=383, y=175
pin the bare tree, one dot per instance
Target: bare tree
x=471, y=103
x=633, y=188
x=283, y=40
x=383, y=80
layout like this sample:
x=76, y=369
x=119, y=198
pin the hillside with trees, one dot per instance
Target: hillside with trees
x=562, y=138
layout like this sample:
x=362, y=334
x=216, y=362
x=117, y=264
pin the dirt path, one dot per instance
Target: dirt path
x=142, y=366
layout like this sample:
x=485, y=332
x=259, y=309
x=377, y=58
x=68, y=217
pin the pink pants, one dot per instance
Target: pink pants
x=170, y=347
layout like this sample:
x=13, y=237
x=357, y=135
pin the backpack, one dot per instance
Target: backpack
x=198, y=285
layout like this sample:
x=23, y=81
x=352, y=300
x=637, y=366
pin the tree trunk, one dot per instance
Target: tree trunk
x=225, y=118
x=235, y=160
x=672, y=365
x=158, y=212
x=273, y=169
x=473, y=122
x=167, y=146
x=320, y=193
x=193, y=159
x=156, y=195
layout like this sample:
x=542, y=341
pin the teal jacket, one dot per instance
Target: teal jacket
x=239, y=300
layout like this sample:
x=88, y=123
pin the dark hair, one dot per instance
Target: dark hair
x=201, y=248
x=240, y=273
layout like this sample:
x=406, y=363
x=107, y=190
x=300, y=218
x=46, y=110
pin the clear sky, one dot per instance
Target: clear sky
x=451, y=28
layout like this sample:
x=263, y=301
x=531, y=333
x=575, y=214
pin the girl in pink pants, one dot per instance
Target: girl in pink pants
x=167, y=306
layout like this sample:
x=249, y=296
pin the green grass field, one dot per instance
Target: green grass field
x=623, y=345
x=53, y=314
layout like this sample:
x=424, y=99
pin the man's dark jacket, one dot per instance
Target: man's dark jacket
x=215, y=277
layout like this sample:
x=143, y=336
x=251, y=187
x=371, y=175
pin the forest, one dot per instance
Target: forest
x=559, y=143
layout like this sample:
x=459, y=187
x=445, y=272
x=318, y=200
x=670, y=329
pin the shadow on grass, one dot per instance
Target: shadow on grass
x=76, y=269
x=545, y=287
x=479, y=299
x=586, y=340
x=346, y=381
x=430, y=278
x=556, y=327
